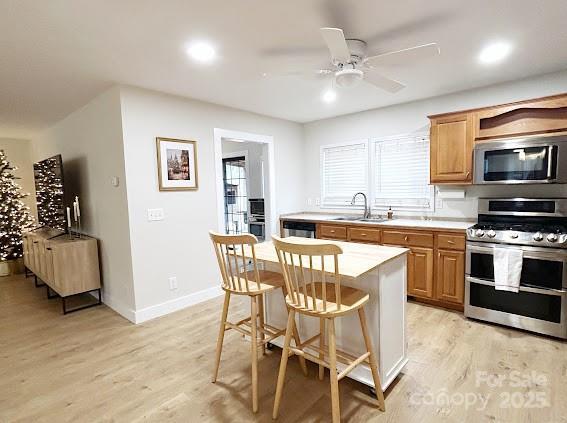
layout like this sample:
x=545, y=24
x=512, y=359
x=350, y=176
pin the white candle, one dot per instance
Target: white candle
x=78, y=207
x=68, y=217
x=75, y=210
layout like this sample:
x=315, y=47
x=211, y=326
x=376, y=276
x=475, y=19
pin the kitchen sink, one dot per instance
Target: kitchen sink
x=360, y=219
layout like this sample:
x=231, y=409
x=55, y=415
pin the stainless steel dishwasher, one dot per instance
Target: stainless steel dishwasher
x=300, y=229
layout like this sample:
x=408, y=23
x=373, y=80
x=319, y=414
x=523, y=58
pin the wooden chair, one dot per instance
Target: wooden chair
x=307, y=269
x=236, y=279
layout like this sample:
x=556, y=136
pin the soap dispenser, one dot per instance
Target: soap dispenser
x=390, y=213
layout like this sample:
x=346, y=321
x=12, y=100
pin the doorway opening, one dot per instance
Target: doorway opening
x=245, y=183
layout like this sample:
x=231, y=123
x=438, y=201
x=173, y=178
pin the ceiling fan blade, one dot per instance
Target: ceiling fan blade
x=405, y=56
x=382, y=82
x=335, y=40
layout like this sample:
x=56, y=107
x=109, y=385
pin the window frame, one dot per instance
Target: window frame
x=347, y=205
x=369, y=190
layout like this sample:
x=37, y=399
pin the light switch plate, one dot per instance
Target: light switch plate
x=155, y=215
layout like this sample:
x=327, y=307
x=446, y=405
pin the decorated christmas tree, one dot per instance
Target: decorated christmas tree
x=15, y=216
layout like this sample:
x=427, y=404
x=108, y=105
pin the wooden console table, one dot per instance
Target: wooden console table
x=67, y=266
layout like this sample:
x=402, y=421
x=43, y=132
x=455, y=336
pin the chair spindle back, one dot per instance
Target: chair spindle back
x=226, y=248
x=303, y=266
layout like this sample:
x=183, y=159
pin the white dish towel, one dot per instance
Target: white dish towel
x=507, y=268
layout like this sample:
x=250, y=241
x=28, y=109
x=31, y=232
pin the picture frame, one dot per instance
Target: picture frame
x=177, y=164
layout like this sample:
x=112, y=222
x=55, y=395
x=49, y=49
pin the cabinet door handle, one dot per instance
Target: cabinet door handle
x=48, y=248
x=332, y=231
x=362, y=234
x=450, y=242
x=35, y=242
x=406, y=238
x=467, y=175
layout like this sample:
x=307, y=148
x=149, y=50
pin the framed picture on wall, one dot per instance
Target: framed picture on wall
x=177, y=164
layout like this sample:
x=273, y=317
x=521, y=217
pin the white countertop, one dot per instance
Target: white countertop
x=401, y=222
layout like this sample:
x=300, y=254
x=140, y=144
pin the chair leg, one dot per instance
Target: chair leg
x=297, y=340
x=321, y=347
x=254, y=352
x=221, y=335
x=373, y=361
x=262, y=322
x=333, y=372
x=283, y=362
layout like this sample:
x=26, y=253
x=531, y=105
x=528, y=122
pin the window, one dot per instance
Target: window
x=344, y=171
x=392, y=171
x=401, y=173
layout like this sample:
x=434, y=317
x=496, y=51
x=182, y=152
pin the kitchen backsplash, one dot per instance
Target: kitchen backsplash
x=463, y=207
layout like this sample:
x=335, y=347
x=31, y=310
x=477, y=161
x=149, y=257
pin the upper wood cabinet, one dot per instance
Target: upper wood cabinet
x=538, y=116
x=453, y=134
x=451, y=145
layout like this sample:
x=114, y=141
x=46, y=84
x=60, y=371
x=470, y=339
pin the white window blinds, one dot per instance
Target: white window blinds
x=344, y=171
x=401, y=173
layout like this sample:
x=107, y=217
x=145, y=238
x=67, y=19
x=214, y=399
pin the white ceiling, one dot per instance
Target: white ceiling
x=56, y=55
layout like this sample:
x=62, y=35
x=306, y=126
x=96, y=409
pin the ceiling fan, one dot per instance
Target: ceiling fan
x=350, y=63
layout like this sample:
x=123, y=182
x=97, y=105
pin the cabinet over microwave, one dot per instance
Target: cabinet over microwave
x=531, y=160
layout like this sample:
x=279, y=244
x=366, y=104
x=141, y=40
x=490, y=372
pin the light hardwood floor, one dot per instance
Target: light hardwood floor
x=94, y=366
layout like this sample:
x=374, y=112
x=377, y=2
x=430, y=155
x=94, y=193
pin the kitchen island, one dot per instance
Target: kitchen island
x=379, y=270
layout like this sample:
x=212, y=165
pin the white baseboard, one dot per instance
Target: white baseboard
x=148, y=313
x=119, y=307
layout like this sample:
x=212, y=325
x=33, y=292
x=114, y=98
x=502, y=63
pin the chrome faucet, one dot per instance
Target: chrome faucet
x=366, y=214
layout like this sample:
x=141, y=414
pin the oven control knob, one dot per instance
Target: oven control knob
x=552, y=237
x=538, y=236
x=514, y=235
x=479, y=232
x=491, y=233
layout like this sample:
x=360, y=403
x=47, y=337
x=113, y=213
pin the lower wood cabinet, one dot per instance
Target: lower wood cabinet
x=436, y=261
x=420, y=272
x=337, y=232
x=450, y=274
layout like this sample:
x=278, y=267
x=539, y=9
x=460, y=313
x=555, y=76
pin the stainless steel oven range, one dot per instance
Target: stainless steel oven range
x=539, y=228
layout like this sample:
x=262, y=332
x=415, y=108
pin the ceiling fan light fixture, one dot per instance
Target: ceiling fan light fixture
x=348, y=77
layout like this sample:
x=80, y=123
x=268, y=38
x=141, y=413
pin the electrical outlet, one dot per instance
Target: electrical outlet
x=173, y=283
x=155, y=214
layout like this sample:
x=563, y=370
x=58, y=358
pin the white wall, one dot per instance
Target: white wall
x=19, y=153
x=90, y=142
x=180, y=245
x=412, y=117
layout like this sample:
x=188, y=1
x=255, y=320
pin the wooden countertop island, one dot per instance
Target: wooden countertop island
x=379, y=270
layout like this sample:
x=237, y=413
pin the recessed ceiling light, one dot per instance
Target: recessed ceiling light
x=329, y=96
x=494, y=53
x=201, y=52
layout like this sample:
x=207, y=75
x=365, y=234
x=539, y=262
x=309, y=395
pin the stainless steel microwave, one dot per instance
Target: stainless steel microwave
x=533, y=160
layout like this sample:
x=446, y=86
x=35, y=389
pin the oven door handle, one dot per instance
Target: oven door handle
x=556, y=292
x=528, y=252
